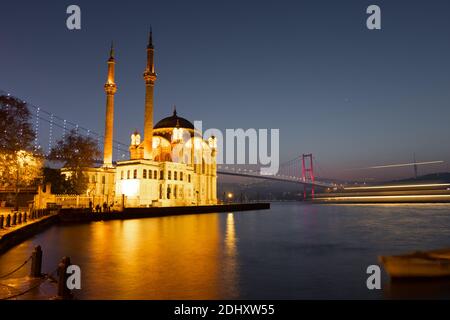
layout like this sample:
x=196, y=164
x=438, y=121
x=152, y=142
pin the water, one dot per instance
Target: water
x=293, y=251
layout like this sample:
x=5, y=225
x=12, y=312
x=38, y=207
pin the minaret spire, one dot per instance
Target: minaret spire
x=150, y=39
x=110, y=90
x=149, y=78
x=111, y=51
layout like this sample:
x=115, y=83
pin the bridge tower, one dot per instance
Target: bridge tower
x=308, y=172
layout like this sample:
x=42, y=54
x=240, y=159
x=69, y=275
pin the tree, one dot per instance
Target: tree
x=76, y=153
x=15, y=123
x=19, y=165
x=59, y=184
x=21, y=169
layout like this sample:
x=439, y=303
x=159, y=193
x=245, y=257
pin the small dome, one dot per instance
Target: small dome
x=174, y=121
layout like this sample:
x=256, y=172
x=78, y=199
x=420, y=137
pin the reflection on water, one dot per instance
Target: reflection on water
x=293, y=251
x=173, y=257
x=230, y=237
x=230, y=263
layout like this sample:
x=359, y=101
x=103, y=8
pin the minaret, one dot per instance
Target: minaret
x=110, y=89
x=150, y=78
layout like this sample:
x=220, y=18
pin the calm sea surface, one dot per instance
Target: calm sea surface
x=293, y=251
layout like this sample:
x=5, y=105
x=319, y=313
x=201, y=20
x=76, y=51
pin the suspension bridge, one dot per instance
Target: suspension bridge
x=299, y=170
x=49, y=128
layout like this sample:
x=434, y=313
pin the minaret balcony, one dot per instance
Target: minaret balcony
x=110, y=88
x=149, y=77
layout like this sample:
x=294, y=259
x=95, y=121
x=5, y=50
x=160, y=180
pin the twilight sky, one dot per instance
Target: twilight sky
x=353, y=97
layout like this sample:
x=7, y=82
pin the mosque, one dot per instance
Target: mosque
x=171, y=165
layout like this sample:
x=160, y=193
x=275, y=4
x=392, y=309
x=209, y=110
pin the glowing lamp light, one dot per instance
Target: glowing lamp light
x=130, y=188
x=230, y=195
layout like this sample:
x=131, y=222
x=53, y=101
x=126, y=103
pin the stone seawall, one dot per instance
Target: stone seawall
x=18, y=235
x=83, y=215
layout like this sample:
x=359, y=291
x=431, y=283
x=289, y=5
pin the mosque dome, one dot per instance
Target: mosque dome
x=174, y=121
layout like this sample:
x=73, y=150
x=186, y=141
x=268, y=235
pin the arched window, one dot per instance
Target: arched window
x=161, y=175
x=181, y=176
x=174, y=175
x=135, y=174
x=155, y=174
x=121, y=175
x=128, y=174
x=203, y=166
x=169, y=175
x=144, y=174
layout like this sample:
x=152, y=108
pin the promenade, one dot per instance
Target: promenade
x=17, y=226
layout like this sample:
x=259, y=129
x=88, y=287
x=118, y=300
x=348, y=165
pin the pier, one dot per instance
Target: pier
x=36, y=285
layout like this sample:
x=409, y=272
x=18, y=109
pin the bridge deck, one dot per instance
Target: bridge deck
x=275, y=178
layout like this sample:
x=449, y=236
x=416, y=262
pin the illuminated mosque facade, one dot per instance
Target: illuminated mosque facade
x=171, y=165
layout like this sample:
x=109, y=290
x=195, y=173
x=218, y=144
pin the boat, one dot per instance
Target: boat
x=419, y=264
